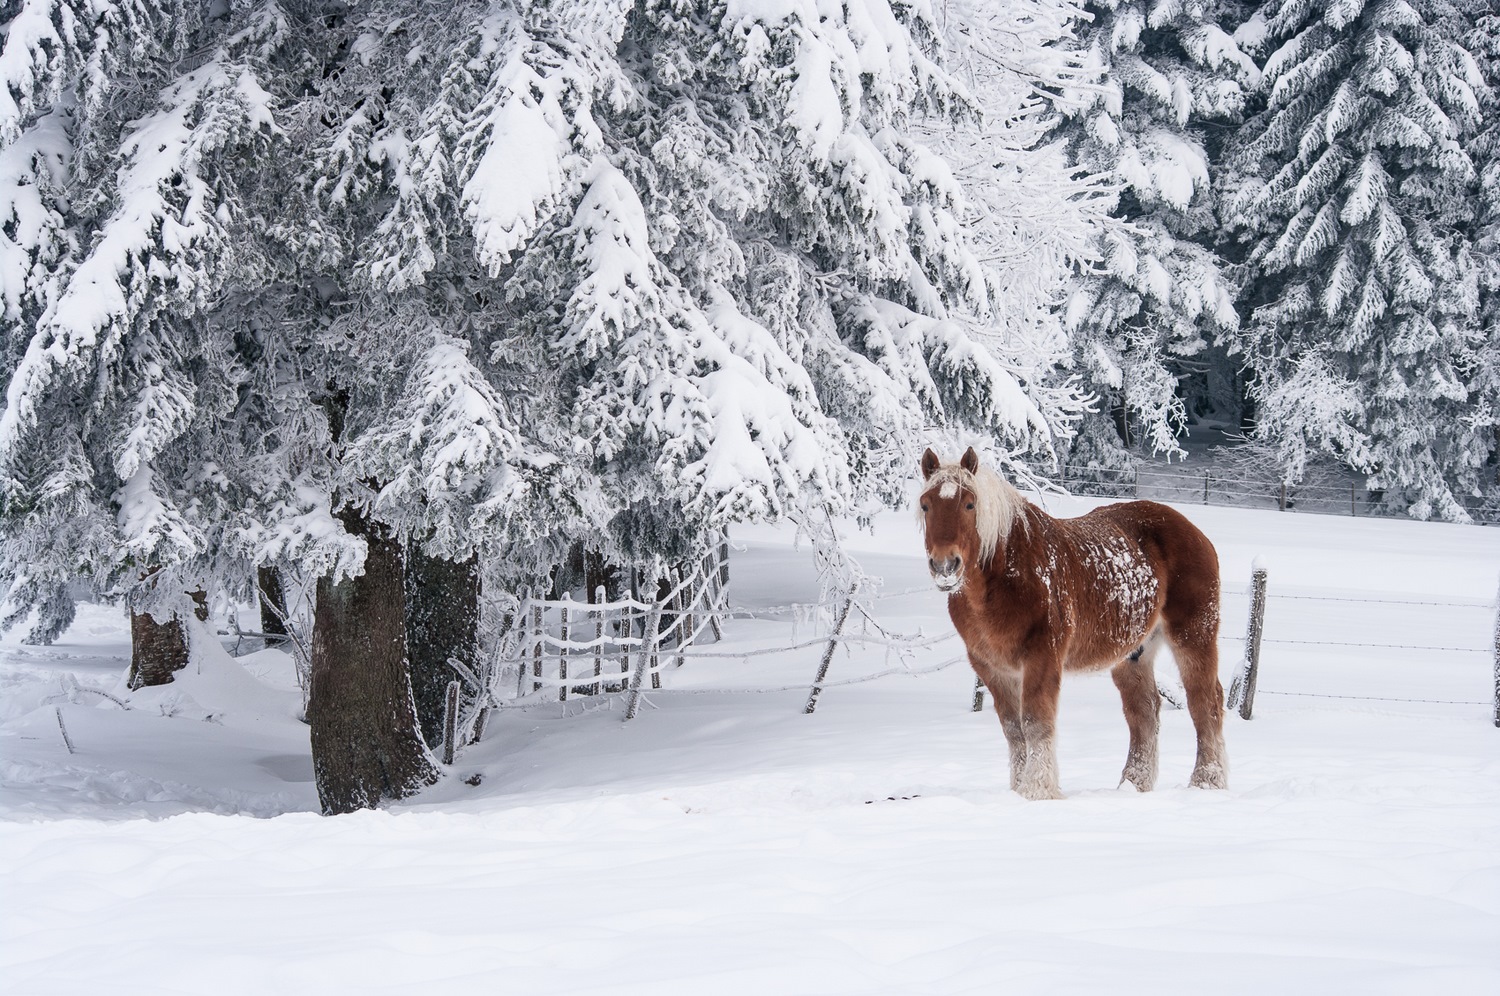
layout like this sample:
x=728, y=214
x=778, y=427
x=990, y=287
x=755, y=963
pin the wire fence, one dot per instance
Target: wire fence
x=674, y=651
x=1237, y=489
x=1243, y=690
x=604, y=651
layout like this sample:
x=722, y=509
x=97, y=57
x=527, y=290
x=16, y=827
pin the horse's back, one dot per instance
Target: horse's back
x=1186, y=560
x=1163, y=527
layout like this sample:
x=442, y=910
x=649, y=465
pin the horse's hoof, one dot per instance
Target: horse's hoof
x=1036, y=793
x=1213, y=777
x=1141, y=781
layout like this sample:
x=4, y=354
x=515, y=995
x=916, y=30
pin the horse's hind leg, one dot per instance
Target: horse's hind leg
x=1135, y=677
x=1005, y=690
x=1197, y=656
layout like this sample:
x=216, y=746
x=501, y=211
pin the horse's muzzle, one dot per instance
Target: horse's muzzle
x=948, y=575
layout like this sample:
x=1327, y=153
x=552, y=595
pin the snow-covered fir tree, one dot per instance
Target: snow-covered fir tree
x=1483, y=420
x=1163, y=79
x=302, y=285
x=1359, y=204
x=747, y=283
x=1033, y=216
x=124, y=133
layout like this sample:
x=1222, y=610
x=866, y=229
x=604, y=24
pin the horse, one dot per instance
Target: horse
x=1033, y=596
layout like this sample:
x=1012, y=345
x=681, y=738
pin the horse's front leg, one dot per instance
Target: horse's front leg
x=1005, y=691
x=1041, y=683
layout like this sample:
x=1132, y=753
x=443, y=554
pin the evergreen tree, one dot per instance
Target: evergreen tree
x=378, y=284
x=1483, y=419
x=1359, y=208
x=120, y=152
x=1169, y=77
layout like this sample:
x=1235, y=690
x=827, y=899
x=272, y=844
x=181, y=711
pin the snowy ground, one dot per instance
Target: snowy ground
x=723, y=842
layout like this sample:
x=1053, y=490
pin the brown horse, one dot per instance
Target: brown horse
x=1033, y=596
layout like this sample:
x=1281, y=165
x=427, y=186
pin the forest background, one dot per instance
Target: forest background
x=384, y=313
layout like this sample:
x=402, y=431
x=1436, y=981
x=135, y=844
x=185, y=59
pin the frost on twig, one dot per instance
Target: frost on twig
x=67, y=741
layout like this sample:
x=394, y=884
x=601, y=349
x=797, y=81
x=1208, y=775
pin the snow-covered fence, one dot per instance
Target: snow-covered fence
x=548, y=646
x=592, y=646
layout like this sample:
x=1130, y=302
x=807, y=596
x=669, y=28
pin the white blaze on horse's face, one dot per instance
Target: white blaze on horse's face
x=948, y=523
x=943, y=509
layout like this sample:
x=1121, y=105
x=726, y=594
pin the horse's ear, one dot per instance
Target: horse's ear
x=970, y=461
x=930, y=463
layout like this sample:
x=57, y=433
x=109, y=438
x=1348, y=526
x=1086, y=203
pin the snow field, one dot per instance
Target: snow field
x=724, y=842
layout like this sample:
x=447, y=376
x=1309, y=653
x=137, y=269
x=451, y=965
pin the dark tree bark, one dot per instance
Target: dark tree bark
x=366, y=743
x=272, y=601
x=157, y=650
x=599, y=573
x=1121, y=415
x=442, y=622
x=569, y=574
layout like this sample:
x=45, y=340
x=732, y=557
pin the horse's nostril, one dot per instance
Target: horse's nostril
x=946, y=568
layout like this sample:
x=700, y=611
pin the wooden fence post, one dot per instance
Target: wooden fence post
x=1242, y=689
x=647, y=654
x=636, y=584
x=833, y=643
x=522, y=635
x=715, y=593
x=679, y=619
x=1497, y=661
x=450, y=723
x=562, y=651
x=1283, y=496
x=978, y=694
x=537, y=633
x=689, y=607
x=600, y=597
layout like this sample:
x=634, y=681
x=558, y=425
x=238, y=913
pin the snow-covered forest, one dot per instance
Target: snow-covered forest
x=382, y=313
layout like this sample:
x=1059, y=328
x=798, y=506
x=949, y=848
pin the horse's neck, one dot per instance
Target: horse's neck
x=1018, y=551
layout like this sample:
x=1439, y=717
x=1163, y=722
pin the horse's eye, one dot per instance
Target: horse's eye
x=924, y=506
x=970, y=506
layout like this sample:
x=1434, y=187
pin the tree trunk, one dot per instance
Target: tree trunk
x=599, y=573
x=442, y=623
x=1121, y=415
x=366, y=743
x=157, y=650
x=272, y=601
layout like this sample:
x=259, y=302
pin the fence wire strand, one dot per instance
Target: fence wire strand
x=1372, y=698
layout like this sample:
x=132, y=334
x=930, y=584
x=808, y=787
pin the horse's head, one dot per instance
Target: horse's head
x=950, y=517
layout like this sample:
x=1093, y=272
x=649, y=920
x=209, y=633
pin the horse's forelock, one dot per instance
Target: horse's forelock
x=997, y=505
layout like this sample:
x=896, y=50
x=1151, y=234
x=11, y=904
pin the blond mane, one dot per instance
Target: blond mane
x=997, y=505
